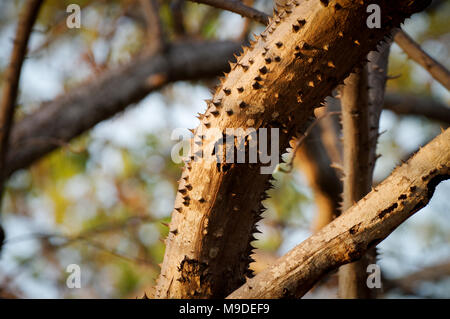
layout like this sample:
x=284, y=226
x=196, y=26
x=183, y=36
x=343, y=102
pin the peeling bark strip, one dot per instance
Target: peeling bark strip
x=306, y=50
x=365, y=224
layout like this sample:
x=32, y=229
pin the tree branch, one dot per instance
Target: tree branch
x=156, y=40
x=80, y=109
x=29, y=140
x=357, y=179
x=176, y=8
x=10, y=89
x=361, y=110
x=411, y=48
x=365, y=224
x=408, y=283
x=410, y=104
x=415, y=52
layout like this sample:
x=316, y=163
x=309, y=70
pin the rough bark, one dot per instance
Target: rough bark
x=302, y=55
x=361, y=104
x=73, y=113
x=407, y=190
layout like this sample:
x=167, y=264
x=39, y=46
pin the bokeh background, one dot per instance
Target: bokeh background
x=102, y=201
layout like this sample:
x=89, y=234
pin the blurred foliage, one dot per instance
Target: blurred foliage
x=104, y=204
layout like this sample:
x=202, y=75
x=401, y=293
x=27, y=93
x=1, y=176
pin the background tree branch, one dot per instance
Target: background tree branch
x=415, y=52
x=411, y=104
x=409, y=283
x=73, y=113
x=11, y=87
x=239, y=8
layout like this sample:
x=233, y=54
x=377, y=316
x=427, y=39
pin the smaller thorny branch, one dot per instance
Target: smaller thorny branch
x=408, y=189
x=276, y=83
x=10, y=88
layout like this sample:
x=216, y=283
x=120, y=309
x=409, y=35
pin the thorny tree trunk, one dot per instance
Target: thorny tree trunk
x=304, y=53
x=361, y=104
x=408, y=189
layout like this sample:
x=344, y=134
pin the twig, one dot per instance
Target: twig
x=408, y=189
x=47, y=140
x=415, y=52
x=410, y=104
x=86, y=236
x=68, y=115
x=239, y=8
